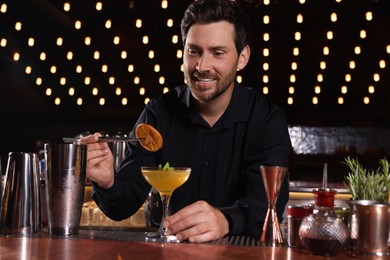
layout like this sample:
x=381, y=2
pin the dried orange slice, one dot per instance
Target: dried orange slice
x=149, y=137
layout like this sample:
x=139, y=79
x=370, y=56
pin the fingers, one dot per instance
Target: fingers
x=90, y=139
x=100, y=162
x=198, y=222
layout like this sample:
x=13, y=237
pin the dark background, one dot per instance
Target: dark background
x=29, y=117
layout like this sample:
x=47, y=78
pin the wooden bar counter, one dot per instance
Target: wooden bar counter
x=109, y=247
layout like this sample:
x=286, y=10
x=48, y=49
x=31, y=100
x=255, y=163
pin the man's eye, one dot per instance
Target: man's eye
x=219, y=53
x=192, y=52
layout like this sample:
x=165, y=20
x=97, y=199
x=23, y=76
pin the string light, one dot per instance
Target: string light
x=138, y=23
x=28, y=69
x=69, y=55
x=31, y=42
x=175, y=39
x=99, y=6
x=179, y=54
x=42, y=56
x=66, y=7
x=16, y=56
x=87, y=81
x=116, y=40
x=333, y=17
x=18, y=26
x=170, y=22
x=3, y=8
x=266, y=19
x=266, y=37
x=294, y=66
x=111, y=81
x=265, y=79
x=292, y=78
x=145, y=39
x=239, y=78
x=87, y=40
x=108, y=24
x=59, y=41
x=53, y=69
x=161, y=80
x=3, y=42
x=151, y=54
x=164, y=4
x=299, y=18
x=62, y=81
x=38, y=81
x=142, y=49
x=77, y=25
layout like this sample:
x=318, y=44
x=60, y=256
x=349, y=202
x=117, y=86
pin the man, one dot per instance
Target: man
x=222, y=130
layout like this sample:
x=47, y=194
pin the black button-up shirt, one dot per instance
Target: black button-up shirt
x=224, y=158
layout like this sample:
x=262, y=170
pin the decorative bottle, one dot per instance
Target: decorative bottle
x=323, y=232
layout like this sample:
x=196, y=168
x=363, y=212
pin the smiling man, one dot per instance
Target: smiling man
x=222, y=130
x=211, y=60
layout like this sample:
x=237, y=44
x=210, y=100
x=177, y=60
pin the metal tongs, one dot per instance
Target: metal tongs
x=102, y=139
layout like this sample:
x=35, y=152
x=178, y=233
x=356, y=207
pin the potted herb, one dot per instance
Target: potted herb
x=367, y=184
x=370, y=191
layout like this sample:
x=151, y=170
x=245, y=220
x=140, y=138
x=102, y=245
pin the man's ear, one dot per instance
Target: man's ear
x=243, y=59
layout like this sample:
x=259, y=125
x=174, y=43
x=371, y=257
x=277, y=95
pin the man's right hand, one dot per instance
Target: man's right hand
x=100, y=161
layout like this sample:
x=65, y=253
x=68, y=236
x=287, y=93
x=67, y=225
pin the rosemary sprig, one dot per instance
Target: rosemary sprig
x=367, y=184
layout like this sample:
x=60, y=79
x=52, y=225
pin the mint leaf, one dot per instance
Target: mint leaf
x=166, y=167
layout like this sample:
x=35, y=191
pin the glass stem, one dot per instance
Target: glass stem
x=165, y=198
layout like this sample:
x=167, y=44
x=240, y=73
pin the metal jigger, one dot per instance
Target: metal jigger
x=273, y=177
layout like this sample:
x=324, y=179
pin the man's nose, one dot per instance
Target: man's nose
x=204, y=63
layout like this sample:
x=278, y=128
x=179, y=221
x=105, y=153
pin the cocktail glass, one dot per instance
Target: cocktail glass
x=165, y=182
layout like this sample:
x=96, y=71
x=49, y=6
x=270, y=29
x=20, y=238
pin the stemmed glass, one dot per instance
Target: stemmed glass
x=165, y=181
x=273, y=177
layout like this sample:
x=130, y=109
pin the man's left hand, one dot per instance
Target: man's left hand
x=198, y=222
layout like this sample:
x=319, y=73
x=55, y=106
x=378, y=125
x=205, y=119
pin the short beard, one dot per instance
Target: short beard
x=221, y=87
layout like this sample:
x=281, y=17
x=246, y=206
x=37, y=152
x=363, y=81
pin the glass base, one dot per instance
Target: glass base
x=158, y=237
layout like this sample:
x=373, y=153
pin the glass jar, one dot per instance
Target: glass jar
x=323, y=232
x=295, y=215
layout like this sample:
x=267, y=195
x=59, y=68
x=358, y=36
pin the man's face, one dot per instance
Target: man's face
x=210, y=59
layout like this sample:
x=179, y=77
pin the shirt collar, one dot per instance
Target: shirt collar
x=238, y=109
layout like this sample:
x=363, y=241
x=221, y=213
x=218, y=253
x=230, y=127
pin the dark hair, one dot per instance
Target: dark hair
x=210, y=11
